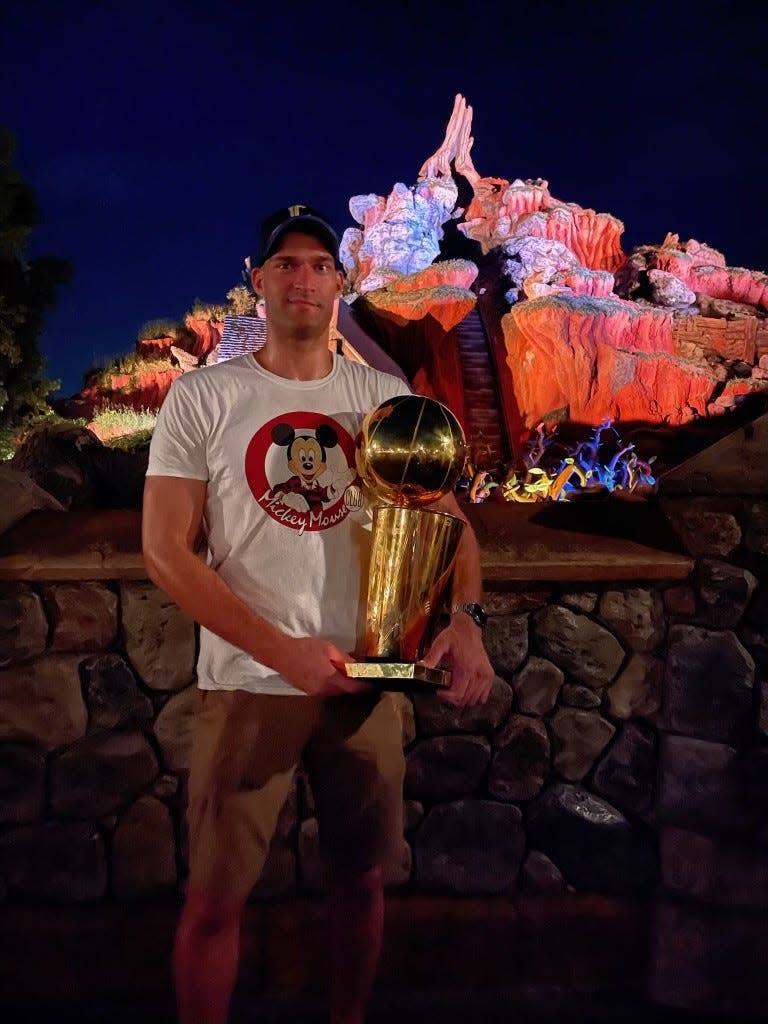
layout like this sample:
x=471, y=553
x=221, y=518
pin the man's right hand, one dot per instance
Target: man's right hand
x=312, y=665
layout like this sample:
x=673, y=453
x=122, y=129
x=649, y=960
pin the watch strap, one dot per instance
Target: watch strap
x=475, y=611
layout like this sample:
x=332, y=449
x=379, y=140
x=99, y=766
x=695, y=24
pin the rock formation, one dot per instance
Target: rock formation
x=668, y=335
x=519, y=310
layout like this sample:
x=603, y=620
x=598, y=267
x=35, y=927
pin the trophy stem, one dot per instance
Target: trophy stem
x=412, y=556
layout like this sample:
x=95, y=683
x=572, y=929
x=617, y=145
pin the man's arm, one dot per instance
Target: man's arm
x=460, y=644
x=171, y=523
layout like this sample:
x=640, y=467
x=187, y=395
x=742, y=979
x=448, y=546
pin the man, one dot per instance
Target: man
x=278, y=603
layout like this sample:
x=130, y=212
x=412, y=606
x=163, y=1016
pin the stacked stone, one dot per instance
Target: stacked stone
x=96, y=700
x=624, y=749
x=709, y=938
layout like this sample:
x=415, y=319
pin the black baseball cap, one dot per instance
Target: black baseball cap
x=296, y=218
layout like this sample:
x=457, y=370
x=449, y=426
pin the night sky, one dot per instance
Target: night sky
x=156, y=136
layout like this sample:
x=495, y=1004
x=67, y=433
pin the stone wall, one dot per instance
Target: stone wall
x=624, y=751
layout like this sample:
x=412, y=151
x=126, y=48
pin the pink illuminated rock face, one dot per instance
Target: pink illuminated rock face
x=662, y=336
x=500, y=210
x=704, y=270
x=587, y=360
x=441, y=292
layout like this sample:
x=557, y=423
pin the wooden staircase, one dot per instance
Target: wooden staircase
x=484, y=421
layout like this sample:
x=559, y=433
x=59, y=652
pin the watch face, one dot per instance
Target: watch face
x=478, y=614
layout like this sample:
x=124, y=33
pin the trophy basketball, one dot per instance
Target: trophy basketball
x=410, y=452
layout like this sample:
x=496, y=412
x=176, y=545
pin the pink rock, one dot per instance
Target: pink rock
x=703, y=269
x=497, y=206
x=447, y=305
x=206, y=335
x=669, y=290
x=454, y=273
x=155, y=348
x=594, y=238
x=732, y=339
x=582, y=281
x=597, y=358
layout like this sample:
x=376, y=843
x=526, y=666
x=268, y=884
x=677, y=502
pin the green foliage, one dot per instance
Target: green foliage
x=130, y=442
x=132, y=364
x=12, y=437
x=127, y=421
x=208, y=310
x=8, y=443
x=27, y=291
x=242, y=301
x=163, y=328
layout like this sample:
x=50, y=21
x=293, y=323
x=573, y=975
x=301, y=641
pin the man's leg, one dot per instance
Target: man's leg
x=356, y=921
x=205, y=958
x=243, y=759
x=356, y=767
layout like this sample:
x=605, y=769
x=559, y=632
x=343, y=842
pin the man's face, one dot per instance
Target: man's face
x=300, y=284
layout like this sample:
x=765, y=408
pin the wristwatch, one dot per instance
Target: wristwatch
x=476, y=612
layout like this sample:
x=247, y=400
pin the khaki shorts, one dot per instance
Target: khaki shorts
x=244, y=755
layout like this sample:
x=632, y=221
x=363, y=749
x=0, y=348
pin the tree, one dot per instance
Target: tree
x=27, y=291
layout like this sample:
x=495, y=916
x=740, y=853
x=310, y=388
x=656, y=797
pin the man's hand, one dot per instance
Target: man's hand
x=314, y=666
x=460, y=647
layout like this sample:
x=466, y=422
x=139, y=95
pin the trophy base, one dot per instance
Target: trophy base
x=404, y=676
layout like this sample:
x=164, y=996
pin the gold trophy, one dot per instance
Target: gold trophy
x=410, y=452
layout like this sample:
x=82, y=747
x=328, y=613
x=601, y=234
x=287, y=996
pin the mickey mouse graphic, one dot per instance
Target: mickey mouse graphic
x=307, y=459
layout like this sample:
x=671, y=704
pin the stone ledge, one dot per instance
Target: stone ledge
x=607, y=540
x=83, y=545
x=579, y=541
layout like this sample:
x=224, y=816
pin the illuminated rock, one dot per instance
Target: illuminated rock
x=668, y=290
x=400, y=234
x=583, y=281
x=205, y=336
x=446, y=304
x=145, y=388
x=701, y=268
x=498, y=205
x=506, y=639
x=592, y=359
x=535, y=259
x=594, y=238
x=114, y=698
x=174, y=729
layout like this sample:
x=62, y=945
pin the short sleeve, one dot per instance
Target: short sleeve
x=179, y=440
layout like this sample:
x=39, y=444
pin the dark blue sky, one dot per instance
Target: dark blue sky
x=157, y=135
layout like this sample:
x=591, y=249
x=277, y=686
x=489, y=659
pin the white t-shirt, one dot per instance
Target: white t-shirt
x=288, y=525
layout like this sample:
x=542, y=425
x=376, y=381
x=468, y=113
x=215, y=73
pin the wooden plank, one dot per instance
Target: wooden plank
x=606, y=539
x=581, y=540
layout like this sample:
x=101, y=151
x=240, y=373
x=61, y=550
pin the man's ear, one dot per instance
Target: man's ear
x=339, y=282
x=256, y=276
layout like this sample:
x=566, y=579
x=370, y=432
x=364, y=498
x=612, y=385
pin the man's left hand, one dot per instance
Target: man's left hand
x=460, y=647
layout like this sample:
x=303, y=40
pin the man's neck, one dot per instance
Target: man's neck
x=296, y=359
